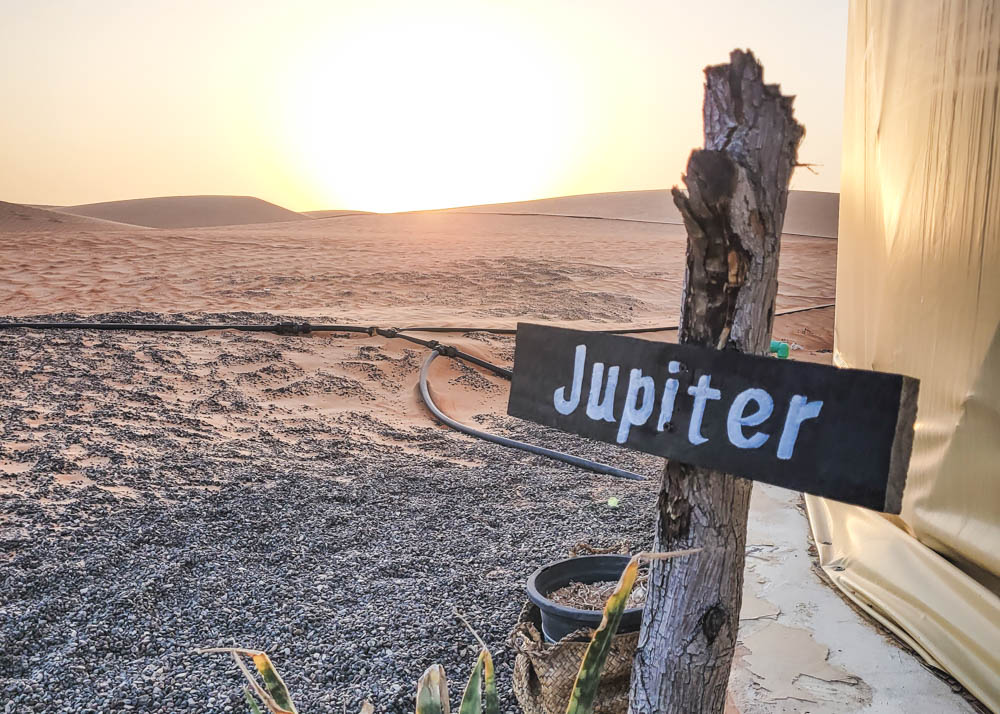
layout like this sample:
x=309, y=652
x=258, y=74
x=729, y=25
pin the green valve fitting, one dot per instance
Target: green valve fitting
x=779, y=348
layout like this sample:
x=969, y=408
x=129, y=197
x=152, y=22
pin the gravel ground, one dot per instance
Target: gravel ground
x=163, y=493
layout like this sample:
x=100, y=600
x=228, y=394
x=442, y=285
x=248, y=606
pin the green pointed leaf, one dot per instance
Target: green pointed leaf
x=251, y=702
x=432, y=692
x=589, y=676
x=272, y=680
x=492, y=700
x=472, y=699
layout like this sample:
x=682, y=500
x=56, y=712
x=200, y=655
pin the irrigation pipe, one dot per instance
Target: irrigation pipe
x=622, y=331
x=504, y=441
x=282, y=328
x=304, y=328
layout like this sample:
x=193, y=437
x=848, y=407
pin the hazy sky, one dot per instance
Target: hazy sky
x=391, y=104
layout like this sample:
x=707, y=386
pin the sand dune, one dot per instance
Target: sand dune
x=655, y=206
x=188, y=211
x=453, y=267
x=812, y=213
x=334, y=213
x=18, y=218
x=809, y=213
x=397, y=269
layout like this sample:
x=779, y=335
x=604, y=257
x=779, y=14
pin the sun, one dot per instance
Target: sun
x=416, y=112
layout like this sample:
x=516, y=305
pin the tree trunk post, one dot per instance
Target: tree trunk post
x=737, y=189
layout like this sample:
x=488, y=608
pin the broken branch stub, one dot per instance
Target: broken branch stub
x=733, y=210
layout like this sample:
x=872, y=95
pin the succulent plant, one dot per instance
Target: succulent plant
x=274, y=694
x=432, y=689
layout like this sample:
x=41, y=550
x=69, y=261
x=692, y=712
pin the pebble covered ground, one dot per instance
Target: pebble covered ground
x=165, y=492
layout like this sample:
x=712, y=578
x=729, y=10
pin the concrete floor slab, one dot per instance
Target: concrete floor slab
x=802, y=648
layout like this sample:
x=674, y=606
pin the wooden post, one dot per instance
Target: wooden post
x=733, y=211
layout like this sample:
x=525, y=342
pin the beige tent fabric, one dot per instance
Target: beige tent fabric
x=949, y=618
x=918, y=292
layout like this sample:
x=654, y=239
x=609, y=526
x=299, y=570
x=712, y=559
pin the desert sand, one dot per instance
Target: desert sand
x=333, y=213
x=17, y=218
x=445, y=267
x=164, y=492
x=809, y=213
x=186, y=211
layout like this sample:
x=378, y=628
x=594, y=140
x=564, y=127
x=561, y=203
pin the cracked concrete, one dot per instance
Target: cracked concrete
x=801, y=647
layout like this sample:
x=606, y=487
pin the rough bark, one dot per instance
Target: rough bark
x=734, y=207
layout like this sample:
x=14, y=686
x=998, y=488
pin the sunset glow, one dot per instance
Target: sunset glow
x=432, y=111
x=388, y=105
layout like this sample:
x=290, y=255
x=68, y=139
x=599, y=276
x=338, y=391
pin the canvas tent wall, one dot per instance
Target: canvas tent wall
x=918, y=292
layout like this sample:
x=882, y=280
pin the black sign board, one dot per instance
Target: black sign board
x=844, y=434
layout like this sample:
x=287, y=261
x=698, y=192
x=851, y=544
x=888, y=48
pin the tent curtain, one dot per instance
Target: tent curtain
x=918, y=292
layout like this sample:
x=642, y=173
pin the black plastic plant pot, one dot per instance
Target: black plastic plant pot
x=559, y=620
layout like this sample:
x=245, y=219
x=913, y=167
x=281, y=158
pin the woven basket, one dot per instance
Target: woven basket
x=544, y=673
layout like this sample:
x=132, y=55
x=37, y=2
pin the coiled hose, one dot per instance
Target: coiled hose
x=512, y=443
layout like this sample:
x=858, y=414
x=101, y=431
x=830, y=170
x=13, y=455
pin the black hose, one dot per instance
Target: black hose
x=304, y=328
x=622, y=331
x=446, y=350
x=504, y=441
x=281, y=328
x=490, y=330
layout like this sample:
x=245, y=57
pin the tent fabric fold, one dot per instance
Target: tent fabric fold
x=950, y=620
